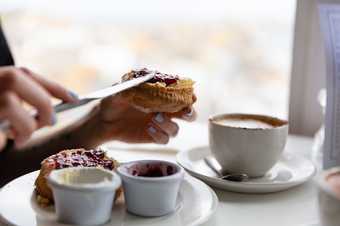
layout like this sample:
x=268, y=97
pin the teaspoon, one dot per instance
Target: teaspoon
x=215, y=166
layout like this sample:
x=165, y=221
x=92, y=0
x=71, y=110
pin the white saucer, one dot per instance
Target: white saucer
x=290, y=171
x=196, y=203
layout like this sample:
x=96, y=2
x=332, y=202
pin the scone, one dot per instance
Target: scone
x=70, y=158
x=163, y=93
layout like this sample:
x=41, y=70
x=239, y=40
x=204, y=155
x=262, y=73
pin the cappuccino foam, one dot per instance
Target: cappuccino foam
x=244, y=123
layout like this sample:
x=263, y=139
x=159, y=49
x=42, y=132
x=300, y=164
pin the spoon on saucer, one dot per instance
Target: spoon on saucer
x=215, y=166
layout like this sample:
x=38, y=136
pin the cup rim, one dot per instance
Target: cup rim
x=281, y=123
x=323, y=185
x=175, y=176
x=110, y=186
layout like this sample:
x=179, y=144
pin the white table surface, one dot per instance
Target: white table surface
x=294, y=207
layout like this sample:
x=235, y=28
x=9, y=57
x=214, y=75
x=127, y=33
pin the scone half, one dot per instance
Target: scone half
x=164, y=93
x=66, y=159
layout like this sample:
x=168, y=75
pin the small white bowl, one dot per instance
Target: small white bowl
x=329, y=201
x=151, y=196
x=84, y=196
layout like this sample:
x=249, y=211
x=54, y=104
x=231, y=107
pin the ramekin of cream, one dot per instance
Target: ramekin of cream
x=84, y=195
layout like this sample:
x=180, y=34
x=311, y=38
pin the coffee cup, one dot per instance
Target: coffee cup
x=247, y=143
x=329, y=197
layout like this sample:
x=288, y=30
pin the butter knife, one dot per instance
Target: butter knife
x=97, y=95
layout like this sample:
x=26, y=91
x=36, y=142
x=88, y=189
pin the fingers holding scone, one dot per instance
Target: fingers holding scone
x=157, y=134
x=161, y=128
x=187, y=114
x=163, y=122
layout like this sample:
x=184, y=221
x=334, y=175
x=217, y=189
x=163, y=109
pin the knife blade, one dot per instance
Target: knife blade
x=100, y=94
x=97, y=95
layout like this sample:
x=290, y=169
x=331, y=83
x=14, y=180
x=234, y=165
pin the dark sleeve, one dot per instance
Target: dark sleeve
x=14, y=163
x=5, y=177
x=5, y=59
x=5, y=53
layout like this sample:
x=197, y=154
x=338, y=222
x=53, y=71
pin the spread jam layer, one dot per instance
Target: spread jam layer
x=89, y=158
x=159, y=77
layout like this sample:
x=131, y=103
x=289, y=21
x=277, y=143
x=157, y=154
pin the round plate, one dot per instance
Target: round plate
x=289, y=171
x=197, y=202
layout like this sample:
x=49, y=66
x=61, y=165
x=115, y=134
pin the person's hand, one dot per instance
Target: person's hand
x=116, y=119
x=18, y=86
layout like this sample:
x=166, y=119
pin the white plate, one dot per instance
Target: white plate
x=290, y=171
x=197, y=202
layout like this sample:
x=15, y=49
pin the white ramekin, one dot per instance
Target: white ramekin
x=151, y=196
x=84, y=195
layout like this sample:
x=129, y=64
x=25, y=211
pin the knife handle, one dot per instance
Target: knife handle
x=5, y=125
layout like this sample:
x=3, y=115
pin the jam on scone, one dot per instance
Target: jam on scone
x=69, y=158
x=167, y=79
x=80, y=157
x=163, y=93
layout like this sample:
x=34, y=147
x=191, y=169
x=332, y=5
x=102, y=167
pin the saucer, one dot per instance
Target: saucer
x=18, y=206
x=288, y=172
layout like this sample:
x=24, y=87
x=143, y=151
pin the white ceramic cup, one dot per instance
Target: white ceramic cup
x=329, y=201
x=250, y=150
x=84, y=196
x=150, y=196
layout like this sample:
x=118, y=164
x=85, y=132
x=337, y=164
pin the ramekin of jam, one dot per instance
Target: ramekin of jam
x=84, y=195
x=151, y=186
x=329, y=196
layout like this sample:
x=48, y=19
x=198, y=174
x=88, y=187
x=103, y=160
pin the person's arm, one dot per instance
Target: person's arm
x=112, y=119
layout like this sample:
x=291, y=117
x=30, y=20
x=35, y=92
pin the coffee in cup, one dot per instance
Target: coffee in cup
x=247, y=143
x=244, y=123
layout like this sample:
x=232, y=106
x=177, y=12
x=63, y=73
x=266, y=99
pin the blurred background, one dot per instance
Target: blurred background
x=238, y=52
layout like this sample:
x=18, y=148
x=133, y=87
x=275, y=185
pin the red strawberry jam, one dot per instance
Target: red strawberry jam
x=152, y=170
x=159, y=77
x=85, y=158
